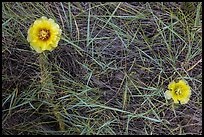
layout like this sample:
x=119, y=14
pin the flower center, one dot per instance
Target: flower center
x=178, y=91
x=44, y=34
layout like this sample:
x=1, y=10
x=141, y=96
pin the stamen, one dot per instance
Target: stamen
x=44, y=34
x=178, y=91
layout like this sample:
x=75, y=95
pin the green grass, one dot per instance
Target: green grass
x=109, y=72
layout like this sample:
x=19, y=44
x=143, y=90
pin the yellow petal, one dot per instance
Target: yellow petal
x=43, y=17
x=175, y=100
x=54, y=45
x=184, y=100
x=179, y=92
x=51, y=42
x=168, y=94
x=37, y=48
x=172, y=85
x=182, y=82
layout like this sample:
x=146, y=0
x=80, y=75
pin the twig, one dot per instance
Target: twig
x=194, y=65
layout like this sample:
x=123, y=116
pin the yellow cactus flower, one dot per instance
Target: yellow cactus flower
x=180, y=92
x=44, y=34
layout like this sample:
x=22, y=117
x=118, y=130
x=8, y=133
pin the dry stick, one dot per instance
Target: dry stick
x=195, y=65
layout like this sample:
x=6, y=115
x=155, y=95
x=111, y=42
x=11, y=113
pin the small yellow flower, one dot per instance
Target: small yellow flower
x=44, y=34
x=179, y=92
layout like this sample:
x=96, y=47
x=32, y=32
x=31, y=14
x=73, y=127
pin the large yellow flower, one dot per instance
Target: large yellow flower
x=44, y=34
x=179, y=92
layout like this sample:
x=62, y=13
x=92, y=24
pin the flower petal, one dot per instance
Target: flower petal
x=179, y=92
x=168, y=94
x=175, y=100
x=184, y=100
x=51, y=41
x=172, y=85
x=37, y=48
